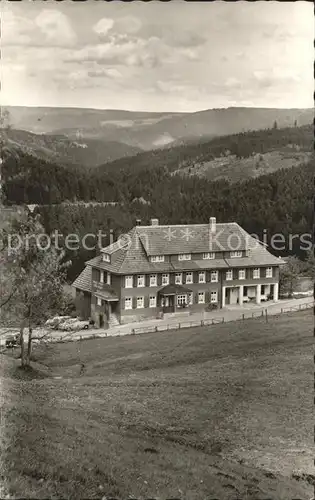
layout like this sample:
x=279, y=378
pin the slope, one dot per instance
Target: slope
x=225, y=413
x=60, y=149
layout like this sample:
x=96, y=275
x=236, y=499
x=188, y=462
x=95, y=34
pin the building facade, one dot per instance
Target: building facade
x=158, y=269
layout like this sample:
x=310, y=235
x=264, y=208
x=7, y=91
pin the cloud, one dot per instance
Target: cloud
x=50, y=28
x=56, y=27
x=103, y=26
x=104, y=72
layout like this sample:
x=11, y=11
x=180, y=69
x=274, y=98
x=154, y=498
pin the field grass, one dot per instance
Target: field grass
x=215, y=412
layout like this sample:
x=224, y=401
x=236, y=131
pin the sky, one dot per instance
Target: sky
x=155, y=56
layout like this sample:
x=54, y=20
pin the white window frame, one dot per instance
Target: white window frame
x=229, y=275
x=140, y=281
x=165, y=279
x=128, y=303
x=190, y=276
x=256, y=273
x=203, y=275
x=235, y=254
x=98, y=301
x=269, y=272
x=105, y=257
x=180, y=276
x=242, y=274
x=216, y=274
x=208, y=255
x=129, y=281
x=181, y=299
x=157, y=258
x=142, y=302
x=152, y=303
x=214, y=294
x=102, y=277
x=153, y=280
x=201, y=298
x=184, y=256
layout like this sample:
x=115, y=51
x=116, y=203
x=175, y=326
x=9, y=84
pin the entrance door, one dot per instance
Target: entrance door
x=101, y=320
x=168, y=303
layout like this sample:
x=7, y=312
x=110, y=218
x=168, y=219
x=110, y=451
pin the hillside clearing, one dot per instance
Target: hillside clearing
x=224, y=411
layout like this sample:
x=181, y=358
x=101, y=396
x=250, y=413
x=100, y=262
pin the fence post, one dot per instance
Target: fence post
x=281, y=310
x=243, y=316
x=202, y=323
x=223, y=319
x=266, y=316
x=179, y=326
x=156, y=329
x=262, y=312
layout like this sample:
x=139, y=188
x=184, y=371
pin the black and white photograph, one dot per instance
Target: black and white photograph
x=156, y=246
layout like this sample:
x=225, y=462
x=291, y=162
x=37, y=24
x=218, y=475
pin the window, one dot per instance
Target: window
x=189, y=277
x=157, y=258
x=214, y=276
x=140, y=302
x=190, y=298
x=235, y=254
x=178, y=278
x=128, y=303
x=98, y=301
x=229, y=275
x=214, y=296
x=184, y=256
x=141, y=280
x=269, y=272
x=165, y=279
x=128, y=281
x=202, y=277
x=153, y=280
x=241, y=274
x=181, y=299
x=208, y=255
x=105, y=257
x=256, y=273
x=152, y=302
x=201, y=297
x=101, y=276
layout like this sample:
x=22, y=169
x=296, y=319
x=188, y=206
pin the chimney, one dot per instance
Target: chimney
x=154, y=222
x=212, y=224
x=138, y=222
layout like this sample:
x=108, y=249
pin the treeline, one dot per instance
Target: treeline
x=281, y=202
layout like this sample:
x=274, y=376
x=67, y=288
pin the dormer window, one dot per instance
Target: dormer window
x=184, y=256
x=105, y=257
x=157, y=258
x=208, y=255
x=233, y=255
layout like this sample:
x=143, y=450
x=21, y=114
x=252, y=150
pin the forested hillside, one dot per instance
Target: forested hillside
x=281, y=202
x=242, y=145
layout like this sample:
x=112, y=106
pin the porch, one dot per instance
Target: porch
x=175, y=298
x=240, y=294
x=106, y=313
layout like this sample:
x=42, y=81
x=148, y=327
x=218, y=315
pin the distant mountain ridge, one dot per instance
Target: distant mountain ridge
x=146, y=130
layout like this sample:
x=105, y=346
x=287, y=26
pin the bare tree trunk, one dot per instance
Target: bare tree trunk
x=22, y=344
x=29, y=346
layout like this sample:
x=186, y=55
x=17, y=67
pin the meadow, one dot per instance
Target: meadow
x=216, y=412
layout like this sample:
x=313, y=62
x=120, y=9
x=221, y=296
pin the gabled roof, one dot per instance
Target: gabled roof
x=190, y=238
x=84, y=280
x=131, y=254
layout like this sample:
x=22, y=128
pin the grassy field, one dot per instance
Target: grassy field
x=218, y=412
